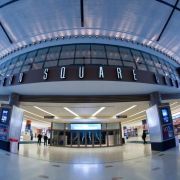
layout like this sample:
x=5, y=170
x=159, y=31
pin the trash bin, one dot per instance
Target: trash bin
x=14, y=145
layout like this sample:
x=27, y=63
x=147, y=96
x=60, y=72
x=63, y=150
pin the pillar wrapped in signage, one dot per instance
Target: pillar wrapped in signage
x=5, y=115
x=11, y=118
x=15, y=128
x=160, y=127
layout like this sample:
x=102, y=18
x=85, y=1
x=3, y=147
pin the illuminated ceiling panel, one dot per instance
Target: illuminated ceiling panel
x=138, y=20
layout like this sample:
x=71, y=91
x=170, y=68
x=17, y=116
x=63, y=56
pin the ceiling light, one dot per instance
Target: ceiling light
x=44, y=111
x=137, y=113
x=125, y=110
x=98, y=111
x=67, y=109
x=33, y=113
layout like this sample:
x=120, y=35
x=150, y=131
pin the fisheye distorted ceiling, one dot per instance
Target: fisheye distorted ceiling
x=154, y=23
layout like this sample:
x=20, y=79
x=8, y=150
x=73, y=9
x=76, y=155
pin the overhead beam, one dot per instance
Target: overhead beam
x=168, y=4
x=82, y=12
x=170, y=96
x=85, y=99
x=10, y=2
x=4, y=98
x=6, y=33
x=168, y=20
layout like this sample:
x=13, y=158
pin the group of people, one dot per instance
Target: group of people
x=45, y=139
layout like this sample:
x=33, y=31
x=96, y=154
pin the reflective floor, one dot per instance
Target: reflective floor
x=144, y=166
x=85, y=155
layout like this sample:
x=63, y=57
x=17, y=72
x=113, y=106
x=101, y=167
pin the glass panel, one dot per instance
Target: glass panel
x=9, y=73
x=16, y=70
x=137, y=57
x=83, y=51
x=21, y=60
x=148, y=59
x=99, y=61
x=30, y=57
x=158, y=65
x=129, y=64
x=50, y=63
x=112, y=52
x=98, y=51
x=68, y=52
x=41, y=55
x=12, y=63
x=53, y=53
x=152, y=69
x=37, y=66
x=160, y=71
x=82, y=61
x=141, y=66
x=115, y=62
x=126, y=54
x=26, y=68
x=66, y=62
x=4, y=68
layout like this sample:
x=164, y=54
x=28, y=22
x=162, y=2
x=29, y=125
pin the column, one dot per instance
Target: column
x=160, y=124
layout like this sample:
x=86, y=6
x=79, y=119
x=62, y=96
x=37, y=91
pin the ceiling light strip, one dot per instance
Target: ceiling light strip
x=125, y=110
x=44, y=111
x=70, y=111
x=137, y=113
x=98, y=111
x=33, y=113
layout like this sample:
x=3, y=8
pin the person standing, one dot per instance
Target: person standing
x=45, y=140
x=144, y=136
x=39, y=138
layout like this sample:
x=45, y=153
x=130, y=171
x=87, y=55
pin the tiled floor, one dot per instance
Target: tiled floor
x=85, y=155
x=143, y=165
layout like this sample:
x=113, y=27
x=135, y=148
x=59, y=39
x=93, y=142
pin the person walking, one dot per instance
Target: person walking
x=39, y=139
x=144, y=136
x=45, y=140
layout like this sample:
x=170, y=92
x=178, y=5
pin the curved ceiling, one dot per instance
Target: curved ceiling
x=153, y=23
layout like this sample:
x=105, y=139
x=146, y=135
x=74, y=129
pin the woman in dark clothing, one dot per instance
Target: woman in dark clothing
x=144, y=136
x=39, y=138
x=45, y=140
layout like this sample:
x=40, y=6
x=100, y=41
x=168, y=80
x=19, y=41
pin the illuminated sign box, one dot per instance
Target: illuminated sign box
x=85, y=126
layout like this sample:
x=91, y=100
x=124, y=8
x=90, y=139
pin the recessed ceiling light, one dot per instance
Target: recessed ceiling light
x=98, y=111
x=67, y=109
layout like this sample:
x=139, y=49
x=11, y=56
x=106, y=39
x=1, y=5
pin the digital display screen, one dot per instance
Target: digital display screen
x=5, y=114
x=165, y=115
x=167, y=132
x=85, y=126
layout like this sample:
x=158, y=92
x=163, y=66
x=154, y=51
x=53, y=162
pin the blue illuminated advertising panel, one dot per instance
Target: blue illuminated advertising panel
x=85, y=126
